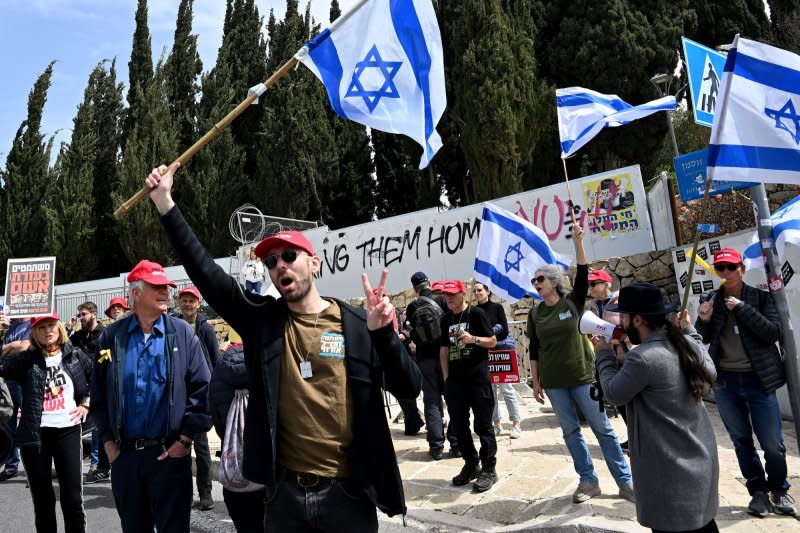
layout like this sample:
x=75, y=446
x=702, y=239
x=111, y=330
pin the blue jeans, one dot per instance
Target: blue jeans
x=97, y=456
x=511, y=399
x=253, y=286
x=12, y=463
x=562, y=401
x=745, y=409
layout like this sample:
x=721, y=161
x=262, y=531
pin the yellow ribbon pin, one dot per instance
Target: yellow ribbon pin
x=105, y=355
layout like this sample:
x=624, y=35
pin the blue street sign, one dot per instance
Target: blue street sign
x=704, y=67
x=690, y=169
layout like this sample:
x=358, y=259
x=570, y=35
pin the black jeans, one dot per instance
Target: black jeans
x=202, y=459
x=463, y=395
x=246, y=510
x=61, y=446
x=711, y=527
x=333, y=508
x=432, y=392
x=150, y=492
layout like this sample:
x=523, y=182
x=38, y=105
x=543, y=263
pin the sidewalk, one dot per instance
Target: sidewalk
x=536, y=481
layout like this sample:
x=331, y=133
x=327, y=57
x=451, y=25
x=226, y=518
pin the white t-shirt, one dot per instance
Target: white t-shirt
x=253, y=270
x=59, y=395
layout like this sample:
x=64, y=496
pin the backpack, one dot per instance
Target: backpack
x=426, y=327
x=230, y=473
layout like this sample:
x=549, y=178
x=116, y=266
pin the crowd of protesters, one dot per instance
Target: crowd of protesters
x=310, y=448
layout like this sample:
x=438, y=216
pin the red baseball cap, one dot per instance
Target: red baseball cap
x=190, y=289
x=295, y=239
x=39, y=319
x=151, y=273
x=116, y=300
x=727, y=255
x=436, y=286
x=601, y=275
x=453, y=286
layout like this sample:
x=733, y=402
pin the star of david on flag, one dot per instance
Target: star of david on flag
x=381, y=64
x=510, y=251
x=756, y=131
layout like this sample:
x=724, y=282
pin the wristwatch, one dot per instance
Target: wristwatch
x=186, y=443
x=477, y=341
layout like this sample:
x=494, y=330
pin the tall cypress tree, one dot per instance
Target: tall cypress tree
x=183, y=70
x=347, y=191
x=785, y=15
x=140, y=67
x=297, y=151
x=152, y=139
x=718, y=21
x=27, y=177
x=400, y=187
x=107, y=123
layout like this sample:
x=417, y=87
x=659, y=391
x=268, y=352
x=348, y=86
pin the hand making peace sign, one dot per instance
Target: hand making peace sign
x=379, y=310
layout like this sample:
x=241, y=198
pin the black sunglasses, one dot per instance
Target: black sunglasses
x=595, y=283
x=288, y=256
x=722, y=266
x=538, y=279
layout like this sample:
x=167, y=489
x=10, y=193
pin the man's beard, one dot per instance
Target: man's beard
x=302, y=288
x=633, y=334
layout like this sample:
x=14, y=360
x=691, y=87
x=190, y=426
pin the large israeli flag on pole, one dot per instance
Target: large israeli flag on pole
x=382, y=66
x=510, y=251
x=756, y=131
x=785, y=229
x=582, y=113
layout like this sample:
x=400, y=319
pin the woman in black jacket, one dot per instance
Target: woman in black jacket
x=55, y=380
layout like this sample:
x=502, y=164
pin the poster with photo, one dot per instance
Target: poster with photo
x=30, y=287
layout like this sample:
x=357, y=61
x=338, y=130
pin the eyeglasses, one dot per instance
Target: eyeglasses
x=595, y=283
x=288, y=256
x=538, y=279
x=722, y=266
x=84, y=313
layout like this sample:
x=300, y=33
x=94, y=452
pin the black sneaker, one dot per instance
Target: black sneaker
x=94, y=476
x=759, y=505
x=468, y=472
x=624, y=446
x=8, y=474
x=412, y=428
x=486, y=479
x=455, y=451
x=436, y=453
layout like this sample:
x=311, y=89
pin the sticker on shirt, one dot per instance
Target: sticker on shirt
x=454, y=330
x=54, y=390
x=331, y=345
x=566, y=315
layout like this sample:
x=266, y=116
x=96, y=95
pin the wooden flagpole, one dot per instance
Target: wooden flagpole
x=126, y=206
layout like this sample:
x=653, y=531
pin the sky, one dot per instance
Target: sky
x=80, y=33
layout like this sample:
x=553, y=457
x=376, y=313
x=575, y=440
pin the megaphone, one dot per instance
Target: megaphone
x=591, y=324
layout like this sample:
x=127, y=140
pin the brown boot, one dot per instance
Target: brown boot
x=206, y=501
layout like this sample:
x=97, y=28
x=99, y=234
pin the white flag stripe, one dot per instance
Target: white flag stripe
x=786, y=229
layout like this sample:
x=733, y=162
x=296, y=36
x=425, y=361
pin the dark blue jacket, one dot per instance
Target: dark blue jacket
x=372, y=358
x=187, y=387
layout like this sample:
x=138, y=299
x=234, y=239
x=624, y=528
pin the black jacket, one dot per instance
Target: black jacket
x=497, y=315
x=208, y=339
x=87, y=340
x=28, y=368
x=228, y=376
x=187, y=385
x=759, y=328
x=370, y=356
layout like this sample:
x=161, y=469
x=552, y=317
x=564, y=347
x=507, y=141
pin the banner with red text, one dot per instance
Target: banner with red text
x=30, y=287
x=503, y=367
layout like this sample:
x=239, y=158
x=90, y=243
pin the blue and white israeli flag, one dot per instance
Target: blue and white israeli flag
x=582, y=113
x=382, y=66
x=510, y=251
x=785, y=229
x=756, y=131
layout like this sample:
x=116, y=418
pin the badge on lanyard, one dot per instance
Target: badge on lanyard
x=566, y=315
x=736, y=329
x=305, y=369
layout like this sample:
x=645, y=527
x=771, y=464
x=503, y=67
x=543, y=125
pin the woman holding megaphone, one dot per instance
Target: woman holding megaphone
x=562, y=366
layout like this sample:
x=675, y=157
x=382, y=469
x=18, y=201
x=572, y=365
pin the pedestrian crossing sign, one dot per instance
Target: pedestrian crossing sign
x=704, y=67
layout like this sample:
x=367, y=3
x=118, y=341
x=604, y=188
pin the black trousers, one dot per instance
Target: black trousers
x=202, y=460
x=246, y=509
x=432, y=392
x=473, y=393
x=150, y=492
x=337, y=507
x=62, y=447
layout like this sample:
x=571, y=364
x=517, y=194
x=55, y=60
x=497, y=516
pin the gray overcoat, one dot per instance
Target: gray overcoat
x=672, y=446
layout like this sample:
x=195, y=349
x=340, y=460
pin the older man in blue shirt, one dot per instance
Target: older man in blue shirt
x=149, y=399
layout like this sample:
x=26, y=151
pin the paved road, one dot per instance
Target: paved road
x=17, y=512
